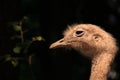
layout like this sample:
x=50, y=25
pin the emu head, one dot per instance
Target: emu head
x=88, y=39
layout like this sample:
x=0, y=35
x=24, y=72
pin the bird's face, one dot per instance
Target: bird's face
x=83, y=38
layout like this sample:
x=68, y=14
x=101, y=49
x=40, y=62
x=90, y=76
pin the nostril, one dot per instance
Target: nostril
x=61, y=40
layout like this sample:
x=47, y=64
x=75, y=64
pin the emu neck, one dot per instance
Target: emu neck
x=101, y=66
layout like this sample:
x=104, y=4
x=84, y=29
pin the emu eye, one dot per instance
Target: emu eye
x=79, y=33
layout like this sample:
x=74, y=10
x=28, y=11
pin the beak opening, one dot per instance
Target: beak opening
x=57, y=44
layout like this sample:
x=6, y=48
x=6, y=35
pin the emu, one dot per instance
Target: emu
x=93, y=42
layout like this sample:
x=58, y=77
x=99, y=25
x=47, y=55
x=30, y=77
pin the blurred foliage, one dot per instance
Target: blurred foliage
x=25, y=33
x=22, y=41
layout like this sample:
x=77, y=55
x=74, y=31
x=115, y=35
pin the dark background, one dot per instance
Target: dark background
x=54, y=16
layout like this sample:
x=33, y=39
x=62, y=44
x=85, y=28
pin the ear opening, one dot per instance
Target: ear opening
x=96, y=37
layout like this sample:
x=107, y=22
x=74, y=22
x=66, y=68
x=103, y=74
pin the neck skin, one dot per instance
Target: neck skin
x=101, y=66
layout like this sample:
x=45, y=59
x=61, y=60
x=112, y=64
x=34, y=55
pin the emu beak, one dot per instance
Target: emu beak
x=59, y=43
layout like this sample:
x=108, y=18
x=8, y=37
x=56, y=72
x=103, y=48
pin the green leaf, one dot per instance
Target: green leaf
x=17, y=27
x=8, y=57
x=14, y=62
x=37, y=38
x=25, y=18
x=17, y=49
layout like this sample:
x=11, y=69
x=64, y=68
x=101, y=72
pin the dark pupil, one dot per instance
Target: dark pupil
x=79, y=32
